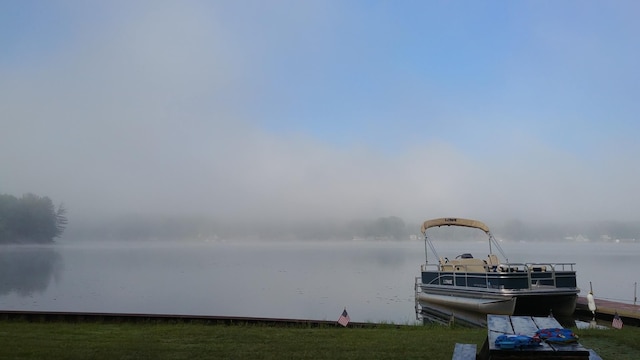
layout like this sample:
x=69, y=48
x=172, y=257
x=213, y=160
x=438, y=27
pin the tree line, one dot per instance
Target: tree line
x=30, y=219
x=153, y=227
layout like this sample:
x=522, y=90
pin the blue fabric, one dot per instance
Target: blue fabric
x=516, y=341
x=557, y=335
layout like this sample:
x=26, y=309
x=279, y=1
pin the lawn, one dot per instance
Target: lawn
x=182, y=340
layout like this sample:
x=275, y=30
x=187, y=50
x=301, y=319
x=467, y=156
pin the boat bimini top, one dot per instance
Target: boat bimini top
x=455, y=222
x=450, y=221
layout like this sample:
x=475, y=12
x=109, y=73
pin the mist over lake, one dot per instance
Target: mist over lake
x=301, y=280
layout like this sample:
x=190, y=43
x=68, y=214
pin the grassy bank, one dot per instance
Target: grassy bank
x=56, y=340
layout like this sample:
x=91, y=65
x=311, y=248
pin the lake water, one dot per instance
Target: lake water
x=298, y=280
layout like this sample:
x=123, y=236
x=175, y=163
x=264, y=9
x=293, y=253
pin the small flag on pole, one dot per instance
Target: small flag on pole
x=617, y=322
x=344, y=318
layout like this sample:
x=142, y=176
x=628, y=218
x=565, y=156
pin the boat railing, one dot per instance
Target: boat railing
x=426, y=267
x=546, y=272
x=554, y=266
x=538, y=274
x=511, y=267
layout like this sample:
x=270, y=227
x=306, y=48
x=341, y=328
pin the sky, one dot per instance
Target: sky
x=325, y=109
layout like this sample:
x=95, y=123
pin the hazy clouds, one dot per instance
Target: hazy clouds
x=193, y=108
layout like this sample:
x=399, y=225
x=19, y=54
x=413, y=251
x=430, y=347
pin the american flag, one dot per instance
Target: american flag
x=344, y=318
x=617, y=322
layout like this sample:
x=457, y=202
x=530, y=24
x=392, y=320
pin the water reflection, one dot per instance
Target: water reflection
x=441, y=314
x=28, y=269
x=297, y=280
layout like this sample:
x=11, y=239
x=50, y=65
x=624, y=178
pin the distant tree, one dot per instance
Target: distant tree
x=391, y=227
x=7, y=204
x=61, y=220
x=30, y=219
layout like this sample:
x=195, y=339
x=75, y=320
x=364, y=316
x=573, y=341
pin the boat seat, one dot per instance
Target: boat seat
x=469, y=265
x=493, y=262
x=445, y=265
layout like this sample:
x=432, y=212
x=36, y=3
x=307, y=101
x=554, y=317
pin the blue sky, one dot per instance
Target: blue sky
x=489, y=109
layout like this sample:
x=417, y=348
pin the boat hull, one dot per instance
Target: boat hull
x=525, y=302
x=504, y=306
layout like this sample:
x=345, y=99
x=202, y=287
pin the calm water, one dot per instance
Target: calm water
x=373, y=280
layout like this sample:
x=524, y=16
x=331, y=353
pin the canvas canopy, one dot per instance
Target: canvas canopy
x=454, y=222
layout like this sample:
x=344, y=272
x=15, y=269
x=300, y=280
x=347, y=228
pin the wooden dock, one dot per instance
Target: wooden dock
x=64, y=316
x=606, y=310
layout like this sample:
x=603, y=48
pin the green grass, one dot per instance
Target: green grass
x=89, y=340
x=621, y=344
